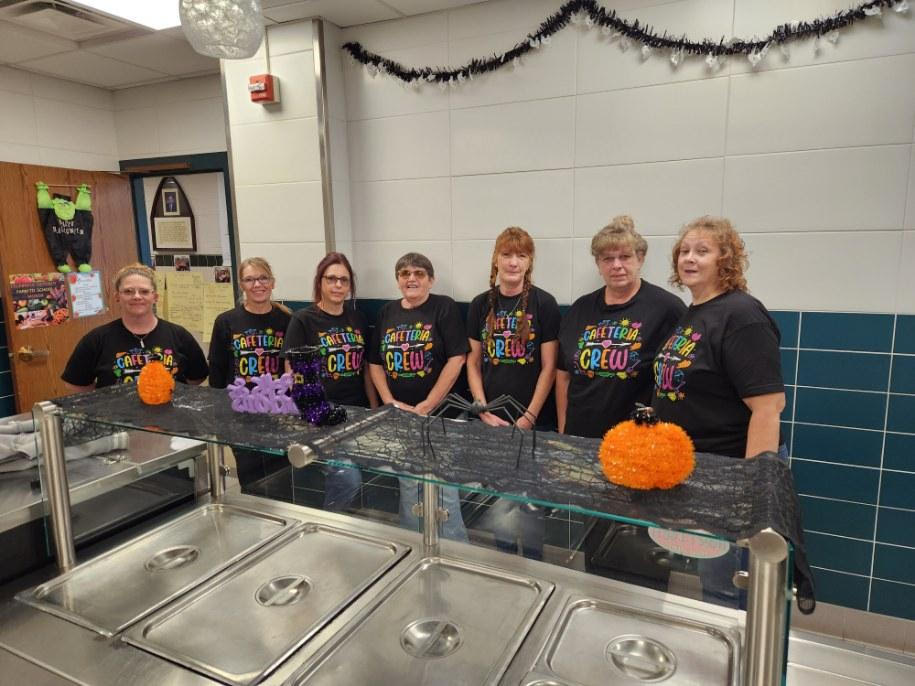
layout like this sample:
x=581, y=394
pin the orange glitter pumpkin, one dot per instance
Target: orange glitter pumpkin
x=155, y=383
x=645, y=453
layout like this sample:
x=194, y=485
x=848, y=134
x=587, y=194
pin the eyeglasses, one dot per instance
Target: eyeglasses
x=407, y=273
x=342, y=280
x=251, y=280
x=142, y=292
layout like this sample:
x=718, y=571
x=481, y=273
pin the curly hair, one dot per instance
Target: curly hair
x=619, y=232
x=732, y=263
x=515, y=240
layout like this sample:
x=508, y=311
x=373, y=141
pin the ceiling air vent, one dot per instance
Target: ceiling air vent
x=60, y=19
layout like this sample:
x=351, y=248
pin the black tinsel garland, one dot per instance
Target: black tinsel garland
x=634, y=31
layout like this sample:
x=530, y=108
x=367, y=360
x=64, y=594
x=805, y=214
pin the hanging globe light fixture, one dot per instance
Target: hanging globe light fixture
x=227, y=29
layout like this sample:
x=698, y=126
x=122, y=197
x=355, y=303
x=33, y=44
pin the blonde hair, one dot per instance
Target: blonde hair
x=264, y=266
x=619, y=232
x=134, y=269
x=511, y=240
x=732, y=262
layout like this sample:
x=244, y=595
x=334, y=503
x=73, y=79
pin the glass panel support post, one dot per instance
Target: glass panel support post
x=54, y=466
x=216, y=467
x=766, y=610
x=431, y=514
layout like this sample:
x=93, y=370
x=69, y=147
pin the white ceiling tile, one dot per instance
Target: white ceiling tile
x=87, y=67
x=161, y=53
x=18, y=43
x=423, y=6
x=340, y=13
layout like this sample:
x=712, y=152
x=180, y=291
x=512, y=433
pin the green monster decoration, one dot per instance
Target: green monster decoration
x=67, y=226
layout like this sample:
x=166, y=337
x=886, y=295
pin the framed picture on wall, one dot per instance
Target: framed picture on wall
x=171, y=204
x=174, y=233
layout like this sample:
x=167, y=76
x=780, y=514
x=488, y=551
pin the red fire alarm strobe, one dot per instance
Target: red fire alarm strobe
x=264, y=88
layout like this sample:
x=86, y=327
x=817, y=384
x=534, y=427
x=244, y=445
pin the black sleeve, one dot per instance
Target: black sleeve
x=451, y=329
x=220, y=359
x=296, y=333
x=565, y=324
x=474, y=316
x=549, y=318
x=752, y=361
x=80, y=369
x=196, y=369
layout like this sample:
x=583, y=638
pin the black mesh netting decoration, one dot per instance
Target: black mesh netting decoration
x=730, y=498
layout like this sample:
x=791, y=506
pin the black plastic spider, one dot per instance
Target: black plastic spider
x=502, y=405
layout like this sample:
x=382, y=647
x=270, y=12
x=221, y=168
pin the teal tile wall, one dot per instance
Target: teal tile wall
x=7, y=401
x=852, y=448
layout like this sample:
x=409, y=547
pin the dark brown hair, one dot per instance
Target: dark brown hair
x=329, y=259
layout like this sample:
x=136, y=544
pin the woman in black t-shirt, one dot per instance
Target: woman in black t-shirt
x=417, y=352
x=114, y=353
x=340, y=331
x=608, y=338
x=512, y=330
x=718, y=375
x=246, y=342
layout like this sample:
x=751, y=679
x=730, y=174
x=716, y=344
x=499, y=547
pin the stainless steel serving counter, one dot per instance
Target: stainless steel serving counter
x=466, y=615
x=147, y=453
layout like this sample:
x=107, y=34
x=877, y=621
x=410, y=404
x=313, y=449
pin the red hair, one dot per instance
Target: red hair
x=329, y=259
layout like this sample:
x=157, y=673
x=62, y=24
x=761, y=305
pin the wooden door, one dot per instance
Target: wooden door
x=23, y=250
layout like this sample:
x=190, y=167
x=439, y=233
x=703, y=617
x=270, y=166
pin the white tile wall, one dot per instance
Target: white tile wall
x=296, y=74
x=812, y=157
x=848, y=188
x=515, y=137
x=905, y=289
x=55, y=123
x=263, y=212
x=179, y=117
x=276, y=152
x=401, y=210
x=408, y=147
x=660, y=196
x=539, y=202
x=657, y=123
x=854, y=103
x=846, y=271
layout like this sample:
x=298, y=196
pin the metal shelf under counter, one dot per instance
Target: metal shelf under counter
x=96, y=478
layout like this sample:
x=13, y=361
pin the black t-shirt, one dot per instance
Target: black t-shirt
x=608, y=350
x=508, y=366
x=412, y=346
x=341, y=339
x=110, y=354
x=721, y=351
x=246, y=345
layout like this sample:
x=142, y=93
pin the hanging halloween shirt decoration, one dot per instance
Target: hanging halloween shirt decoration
x=67, y=226
x=645, y=453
